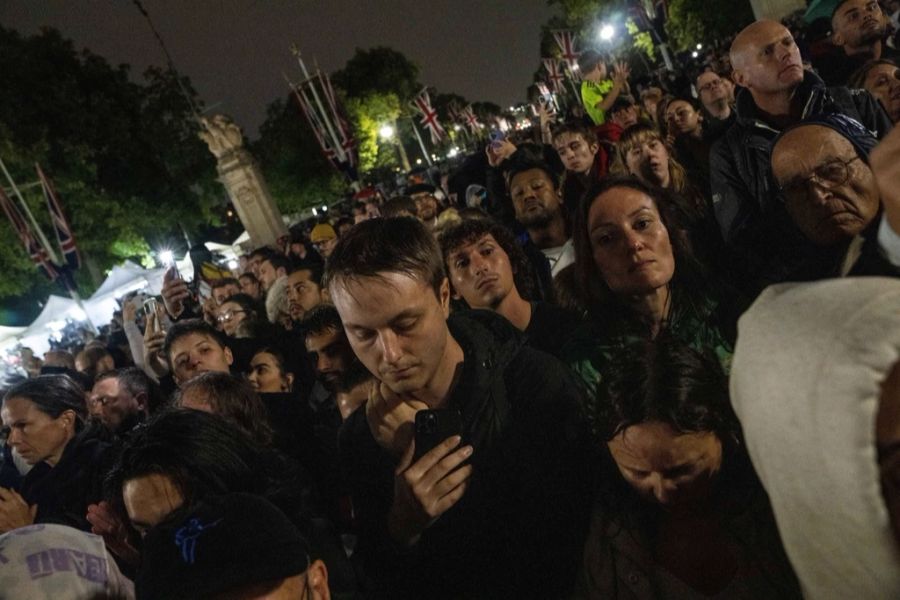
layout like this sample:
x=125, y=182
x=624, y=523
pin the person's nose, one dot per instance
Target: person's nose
x=634, y=241
x=14, y=438
x=477, y=264
x=390, y=347
x=661, y=488
x=817, y=193
x=323, y=364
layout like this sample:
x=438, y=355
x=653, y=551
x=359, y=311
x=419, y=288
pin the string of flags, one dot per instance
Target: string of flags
x=36, y=244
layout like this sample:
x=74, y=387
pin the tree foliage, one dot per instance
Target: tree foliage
x=379, y=70
x=297, y=173
x=123, y=154
x=691, y=21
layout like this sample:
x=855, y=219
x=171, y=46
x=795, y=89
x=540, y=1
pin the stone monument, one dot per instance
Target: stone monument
x=775, y=9
x=241, y=176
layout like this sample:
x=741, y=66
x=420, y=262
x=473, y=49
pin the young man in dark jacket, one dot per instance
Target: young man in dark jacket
x=498, y=510
x=778, y=92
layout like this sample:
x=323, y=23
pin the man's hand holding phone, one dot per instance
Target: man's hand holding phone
x=427, y=488
x=175, y=292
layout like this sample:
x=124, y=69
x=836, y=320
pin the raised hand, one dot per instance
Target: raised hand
x=391, y=418
x=174, y=292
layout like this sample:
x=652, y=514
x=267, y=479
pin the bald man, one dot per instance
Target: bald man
x=776, y=92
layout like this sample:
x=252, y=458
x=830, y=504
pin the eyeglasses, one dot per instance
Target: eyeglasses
x=832, y=174
x=710, y=85
x=227, y=316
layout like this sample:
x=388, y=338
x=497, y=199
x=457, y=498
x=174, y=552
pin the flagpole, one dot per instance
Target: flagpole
x=421, y=142
x=37, y=229
x=338, y=148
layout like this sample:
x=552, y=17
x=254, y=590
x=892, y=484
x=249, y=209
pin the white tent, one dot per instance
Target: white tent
x=53, y=316
x=122, y=279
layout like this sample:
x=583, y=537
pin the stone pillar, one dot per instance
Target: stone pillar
x=776, y=9
x=240, y=175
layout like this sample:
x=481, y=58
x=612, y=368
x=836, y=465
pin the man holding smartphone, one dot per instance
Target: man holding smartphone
x=498, y=510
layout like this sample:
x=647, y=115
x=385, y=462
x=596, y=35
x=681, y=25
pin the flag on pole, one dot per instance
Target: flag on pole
x=554, y=76
x=64, y=234
x=346, y=132
x=422, y=103
x=471, y=120
x=317, y=127
x=566, y=41
x=35, y=250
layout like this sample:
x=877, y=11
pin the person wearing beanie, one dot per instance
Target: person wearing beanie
x=235, y=546
x=323, y=237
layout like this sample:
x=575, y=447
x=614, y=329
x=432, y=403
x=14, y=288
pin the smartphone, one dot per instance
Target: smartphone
x=152, y=316
x=433, y=426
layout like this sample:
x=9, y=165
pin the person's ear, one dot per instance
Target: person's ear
x=837, y=38
x=67, y=419
x=317, y=580
x=229, y=357
x=444, y=297
x=289, y=378
x=594, y=147
x=737, y=75
x=141, y=399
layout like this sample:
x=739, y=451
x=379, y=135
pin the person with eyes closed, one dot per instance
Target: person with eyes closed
x=680, y=512
x=637, y=276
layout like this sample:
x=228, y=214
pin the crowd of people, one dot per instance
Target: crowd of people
x=648, y=350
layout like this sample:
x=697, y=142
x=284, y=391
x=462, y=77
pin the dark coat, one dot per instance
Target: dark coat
x=63, y=492
x=764, y=244
x=517, y=531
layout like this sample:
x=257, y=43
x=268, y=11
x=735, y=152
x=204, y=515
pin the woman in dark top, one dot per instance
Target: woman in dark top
x=44, y=422
x=681, y=513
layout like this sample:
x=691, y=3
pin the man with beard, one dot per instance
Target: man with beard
x=304, y=290
x=858, y=30
x=338, y=372
x=122, y=399
x=426, y=204
x=536, y=198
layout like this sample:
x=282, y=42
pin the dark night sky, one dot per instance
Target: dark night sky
x=234, y=51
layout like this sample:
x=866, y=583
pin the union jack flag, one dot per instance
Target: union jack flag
x=553, y=75
x=566, y=42
x=347, y=142
x=422, y=103
x=64, y=234
x=37, y=252
x=471, y=120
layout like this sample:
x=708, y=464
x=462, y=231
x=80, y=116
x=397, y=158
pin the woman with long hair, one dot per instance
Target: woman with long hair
x=637, y=275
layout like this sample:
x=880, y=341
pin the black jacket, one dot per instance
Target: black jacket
x=518, y=530
x=63, y=492
x=757, y=230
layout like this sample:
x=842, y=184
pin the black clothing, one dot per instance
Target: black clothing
x=835, y=67
x=63, y=492
x=551, y=328
x=763, y=243
x=518, y=530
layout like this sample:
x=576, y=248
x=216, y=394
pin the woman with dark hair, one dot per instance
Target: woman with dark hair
x=43, y=421
x=241, y=316
x=636, y=275
x=267, y=374
x=681, y=514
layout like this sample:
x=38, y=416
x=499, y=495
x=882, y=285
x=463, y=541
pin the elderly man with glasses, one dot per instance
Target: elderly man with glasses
x=821, y=168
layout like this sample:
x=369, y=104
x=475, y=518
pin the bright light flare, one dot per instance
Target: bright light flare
x=386, y=132
x=607, y=32
x=166, y=257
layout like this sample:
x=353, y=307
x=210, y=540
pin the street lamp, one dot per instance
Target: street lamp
x=386, y=132
x=607, y=32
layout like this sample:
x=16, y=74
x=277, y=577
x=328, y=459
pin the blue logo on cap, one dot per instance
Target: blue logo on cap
x=186, y=538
